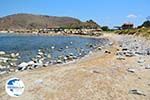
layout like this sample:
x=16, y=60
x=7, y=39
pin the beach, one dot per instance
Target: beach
x=100, y=75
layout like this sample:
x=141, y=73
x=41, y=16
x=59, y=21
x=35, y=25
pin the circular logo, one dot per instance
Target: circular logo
x=14, y=87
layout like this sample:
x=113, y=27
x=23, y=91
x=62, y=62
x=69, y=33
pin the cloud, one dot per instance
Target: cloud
x=131, y=16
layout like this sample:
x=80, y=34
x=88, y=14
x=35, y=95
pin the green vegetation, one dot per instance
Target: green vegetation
x=105, y=28
x=143, y=30
x=80, y=25
x=138, y=31
x=146, y=24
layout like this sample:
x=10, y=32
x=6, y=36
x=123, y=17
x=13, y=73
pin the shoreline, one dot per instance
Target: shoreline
x=106, y=73
x=51, y=34
x=35, y=63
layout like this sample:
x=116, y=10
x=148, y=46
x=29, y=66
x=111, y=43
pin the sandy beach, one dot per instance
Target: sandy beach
x=97, y=76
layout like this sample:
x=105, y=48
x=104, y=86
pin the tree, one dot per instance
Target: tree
x=105, y=28
x=146, y=23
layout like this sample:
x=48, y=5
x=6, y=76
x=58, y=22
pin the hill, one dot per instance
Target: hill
x=30, y=21
x=144, y=31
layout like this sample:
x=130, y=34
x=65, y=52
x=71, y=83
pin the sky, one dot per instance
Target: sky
x=104, y=12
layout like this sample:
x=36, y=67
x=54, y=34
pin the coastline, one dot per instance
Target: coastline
x=101, y=76
x=41, y=59
x=51, y=34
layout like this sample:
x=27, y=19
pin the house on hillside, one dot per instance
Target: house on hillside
x=117, y=27
x=127, y=26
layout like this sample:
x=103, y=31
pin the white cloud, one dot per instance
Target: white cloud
x=131, y=16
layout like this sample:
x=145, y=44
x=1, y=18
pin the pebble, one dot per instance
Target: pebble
x=131, y=70
x=3, y=72
x=71, y=42
x=96, y=71
x=59, y=61
x=11, y=69
x=111, y=43
x=2, y=53
x=13, y=55
x=71, y=54
x=30, y=63
x=67, y=47
x=120, y=58
x=137, y=92
x=49, y=56
x=52, y=47
x=108, y=52
x=22, y=66
x=129, y=54
x=141, y=60
x=40, y=53
x=65, y=58
x=38, y=81
x=147, y=67
x=99, y=48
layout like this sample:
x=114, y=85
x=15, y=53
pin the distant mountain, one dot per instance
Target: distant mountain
x=30, y=21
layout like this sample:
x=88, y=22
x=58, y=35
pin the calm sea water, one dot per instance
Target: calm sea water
x=28, y=46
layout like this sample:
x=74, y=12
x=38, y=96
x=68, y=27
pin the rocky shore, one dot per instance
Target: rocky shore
x=118, y=71
x=14, y=62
